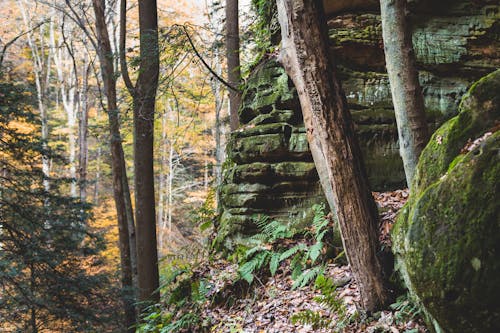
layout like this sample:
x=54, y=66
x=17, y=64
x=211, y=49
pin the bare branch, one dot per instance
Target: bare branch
x=13, y=40
x=207, y=66
x=122, y=47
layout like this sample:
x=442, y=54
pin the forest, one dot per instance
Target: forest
x=250, y=166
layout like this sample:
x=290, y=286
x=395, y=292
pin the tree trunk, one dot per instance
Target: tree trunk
x=83, y=131
x=41, y=65
x=403, y=77
x=162, y=179
x=120, y=189
x=144, y=97
x=68, y=82
x=306, y=58
x=233, y=60
x=97, y=176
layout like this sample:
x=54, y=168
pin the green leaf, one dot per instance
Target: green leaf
x=290, y=252
x=250, y=252
x=204, y=226
x=307, y=276
x=274, y=262
x=315, y=251
x=246, y=271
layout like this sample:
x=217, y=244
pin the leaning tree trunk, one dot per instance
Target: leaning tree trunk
x=403, y=77
x=120, y=187
x=233, y=60
x=306, y=58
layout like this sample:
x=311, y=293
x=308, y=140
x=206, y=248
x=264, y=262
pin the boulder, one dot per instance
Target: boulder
x=446, y=240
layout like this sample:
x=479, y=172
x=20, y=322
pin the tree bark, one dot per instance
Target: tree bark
x=120, y=183
x=144, y=97
x=306, y=58
x=83, y=131
x=233, y=60
x=405, y=88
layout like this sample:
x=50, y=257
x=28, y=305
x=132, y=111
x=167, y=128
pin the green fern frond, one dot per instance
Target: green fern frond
x=248, y=269
x=251, y=252
x=307, y=276
x=261, y=221
x=296, y=265
x=291, y=251
x=274, y=262
x=313, y=318
x=315, y=251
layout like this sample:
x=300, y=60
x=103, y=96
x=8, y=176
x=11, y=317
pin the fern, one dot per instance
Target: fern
x=248, y=269
x=405, y=308
x=274, y=262
x=320, y=222
x=309, y=317
x=291, y=251
x=315, y=251
x=269, y=251
x=307, y=276
x=331, y=301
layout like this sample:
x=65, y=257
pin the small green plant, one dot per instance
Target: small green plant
x=405, y=309
x=329, y=299
x=183, y=297
x=272, y=248
x=205, y=215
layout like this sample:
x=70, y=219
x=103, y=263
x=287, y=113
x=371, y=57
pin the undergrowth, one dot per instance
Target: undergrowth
x=330, y=300
x=186, y=292
x=273, y=246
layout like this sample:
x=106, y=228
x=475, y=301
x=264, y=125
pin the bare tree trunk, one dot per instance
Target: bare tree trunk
x=67, y=77
x=120, y=183
x=170, y=200
x=83, y=131
x=97, y=176
x=144, y=96
x=233, y=60
x=41, y=65
x=162, y=180
x=406, y=91
x=306, y=58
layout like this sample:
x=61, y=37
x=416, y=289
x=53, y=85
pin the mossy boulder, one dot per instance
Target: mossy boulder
x=479, y=111
x=446, y=239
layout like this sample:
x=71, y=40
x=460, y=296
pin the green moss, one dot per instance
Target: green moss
x=363, y=29
x=479, y=109
x=441, y=238
x=445, y=240
x=267, y=89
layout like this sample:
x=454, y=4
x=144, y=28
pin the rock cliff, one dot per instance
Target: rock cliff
x=270, y=169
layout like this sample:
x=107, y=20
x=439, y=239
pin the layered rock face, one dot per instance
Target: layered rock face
x=456, y=42
x=446, y=239
x=270, y=169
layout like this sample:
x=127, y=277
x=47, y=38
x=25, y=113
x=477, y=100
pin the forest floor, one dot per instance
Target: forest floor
x=268, y=305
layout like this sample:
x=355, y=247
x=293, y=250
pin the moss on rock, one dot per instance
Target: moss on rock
x=478, y=112
x=446, y=239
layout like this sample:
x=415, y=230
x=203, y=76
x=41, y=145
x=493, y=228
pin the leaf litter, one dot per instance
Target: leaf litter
x=267, y=305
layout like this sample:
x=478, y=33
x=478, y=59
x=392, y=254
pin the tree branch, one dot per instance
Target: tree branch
x=207, y=66
x=13, y=40
x=122, y=47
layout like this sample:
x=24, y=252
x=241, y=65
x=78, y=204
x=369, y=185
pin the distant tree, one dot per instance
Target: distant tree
x=233, y=60
x=47, y=278
x=406, y=91
x=305, y=55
